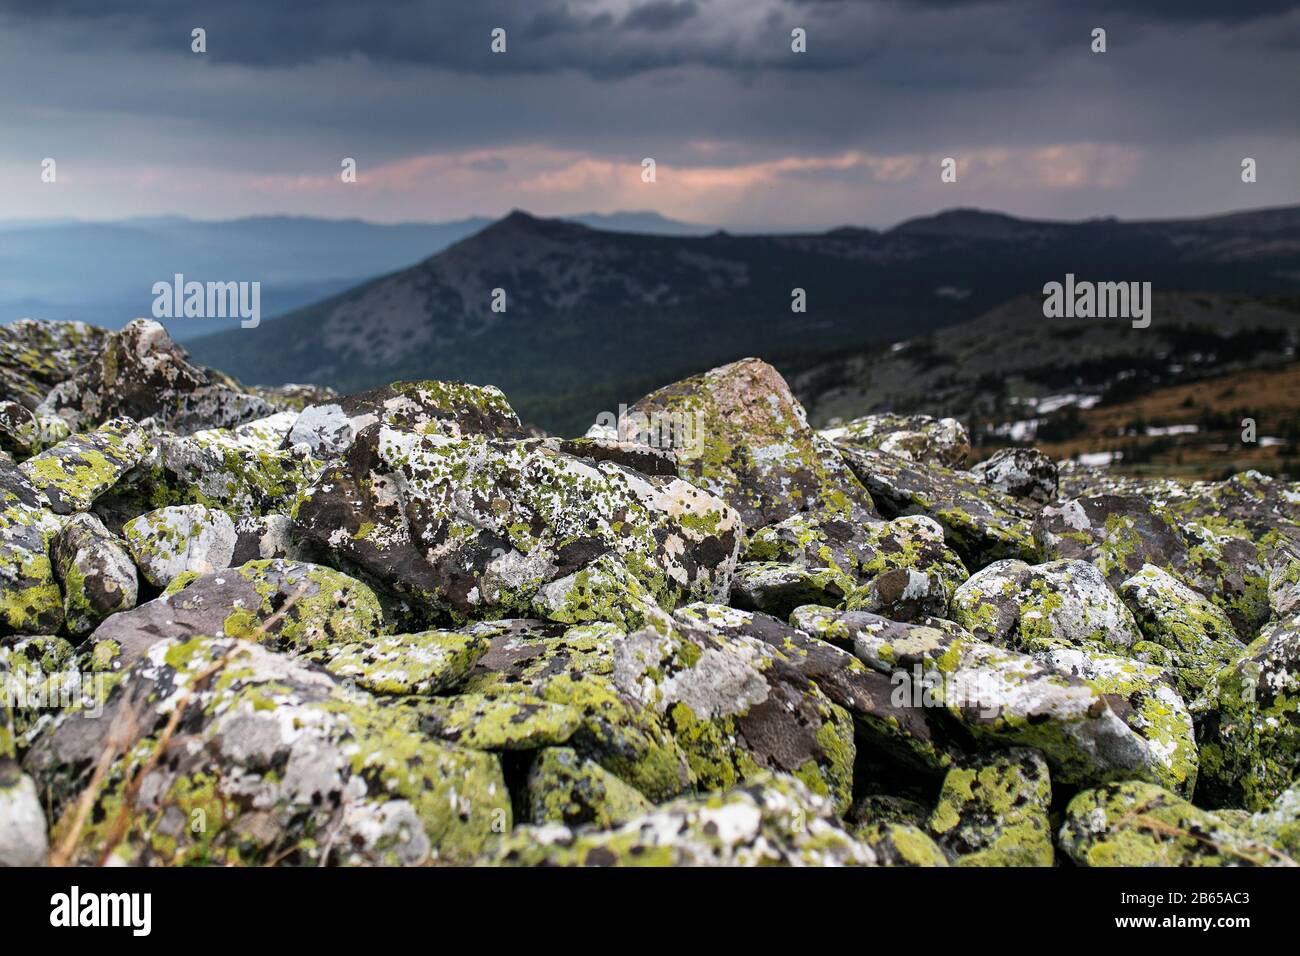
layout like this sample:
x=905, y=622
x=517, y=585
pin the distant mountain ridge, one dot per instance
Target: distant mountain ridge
x=102, y=272
x=594, y=318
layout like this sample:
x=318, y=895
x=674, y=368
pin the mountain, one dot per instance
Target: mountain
x=103, y=273
x=592, y=318
x=1168, y=399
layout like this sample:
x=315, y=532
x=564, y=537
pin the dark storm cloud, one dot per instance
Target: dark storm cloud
x=613, y=39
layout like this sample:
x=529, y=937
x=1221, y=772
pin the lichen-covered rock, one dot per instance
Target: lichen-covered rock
x=76, y=471
x=470, y=528
x=574, y=668
x=1140, y=824
x=38, y=677
x=277, y=763
x=450, y=409
x=777, y=589
x=568, y=789
x=736, y=706
x=739, y=433
x=36, y=355
x=1002, y=696
x=910, y=735
x=917, y=438
x=1284, y=581
x=95, y=572
x=23, y=433
x=772, y=819
x=431, y=662
x=1248, y=722
x=901, y=569
x=30, y=600
x=994, y=811
x=500, y=722
x=1279, y=824
x=140, y=373
x=187, y=538
x=1121, y=534
x=1034, y=607
x=900, y=844
x=980, y=523
x=262, y=537
x=23, y=840
x=1025, y=474
x=1183, y=631
x=288, y=605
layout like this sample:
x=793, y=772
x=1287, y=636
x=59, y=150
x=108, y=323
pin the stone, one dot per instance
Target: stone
x=95, y=572
x=170, y=542
x=1025, y=474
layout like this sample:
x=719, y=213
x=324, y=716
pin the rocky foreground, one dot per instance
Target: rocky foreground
x=279, y=626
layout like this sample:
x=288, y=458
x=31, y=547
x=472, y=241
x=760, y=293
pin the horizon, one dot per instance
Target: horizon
x=489, y=219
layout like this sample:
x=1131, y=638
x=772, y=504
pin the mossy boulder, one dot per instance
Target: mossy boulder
x=290, y=606
x=980, y=523
x=498, y=722
x=277, y=763
x=95, y=571
x=172, y=541
x=993, y=811
x=23, y=433
x=918, y=438
x=566, y=788
x=72, y=474
x=740, y=434
x=430, y=662
x=30, y=600
x=1248, y=722
x=469, y=528
x=770, y=820
x=1183, y=631
x=140, y=373
x=1141, y=824
x=900, y=844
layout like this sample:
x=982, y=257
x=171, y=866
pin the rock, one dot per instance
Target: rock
x=770, y=820
x=470, y=528
x=1035, y=607
x=450, y=409
x=910, y=735
x=30, y=600
x=778, y=589
x=95, y=572
x=140, y=373
x=262, y=537
x=994, y=811
x=1183, y=631
x=276, y=762
x=431, y=662
x=187, y=538
x=38, y=677
x=505, y=722
x=294, y=397
x=573, y=667
x=901, y=569
x=980, y=523
x=1025, y=474
x=1284, y=582
x=566, y=789
x=1122, y=534
x=878, y=808
x=23, y=433
x=36, y=355
x=1001, y=696
x=739, y=433
x=1279, y=824
x=76, y=471
x=736, y=706
x=917, y=438
x=260, y=435
x=1140, y=824
x=1248, y=722
x=288, y=605
x=23, y=841
x=900, y=844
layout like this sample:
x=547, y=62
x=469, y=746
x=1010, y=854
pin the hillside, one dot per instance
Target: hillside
x=594, y=318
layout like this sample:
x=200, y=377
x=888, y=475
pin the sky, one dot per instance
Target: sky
x=746, y=134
